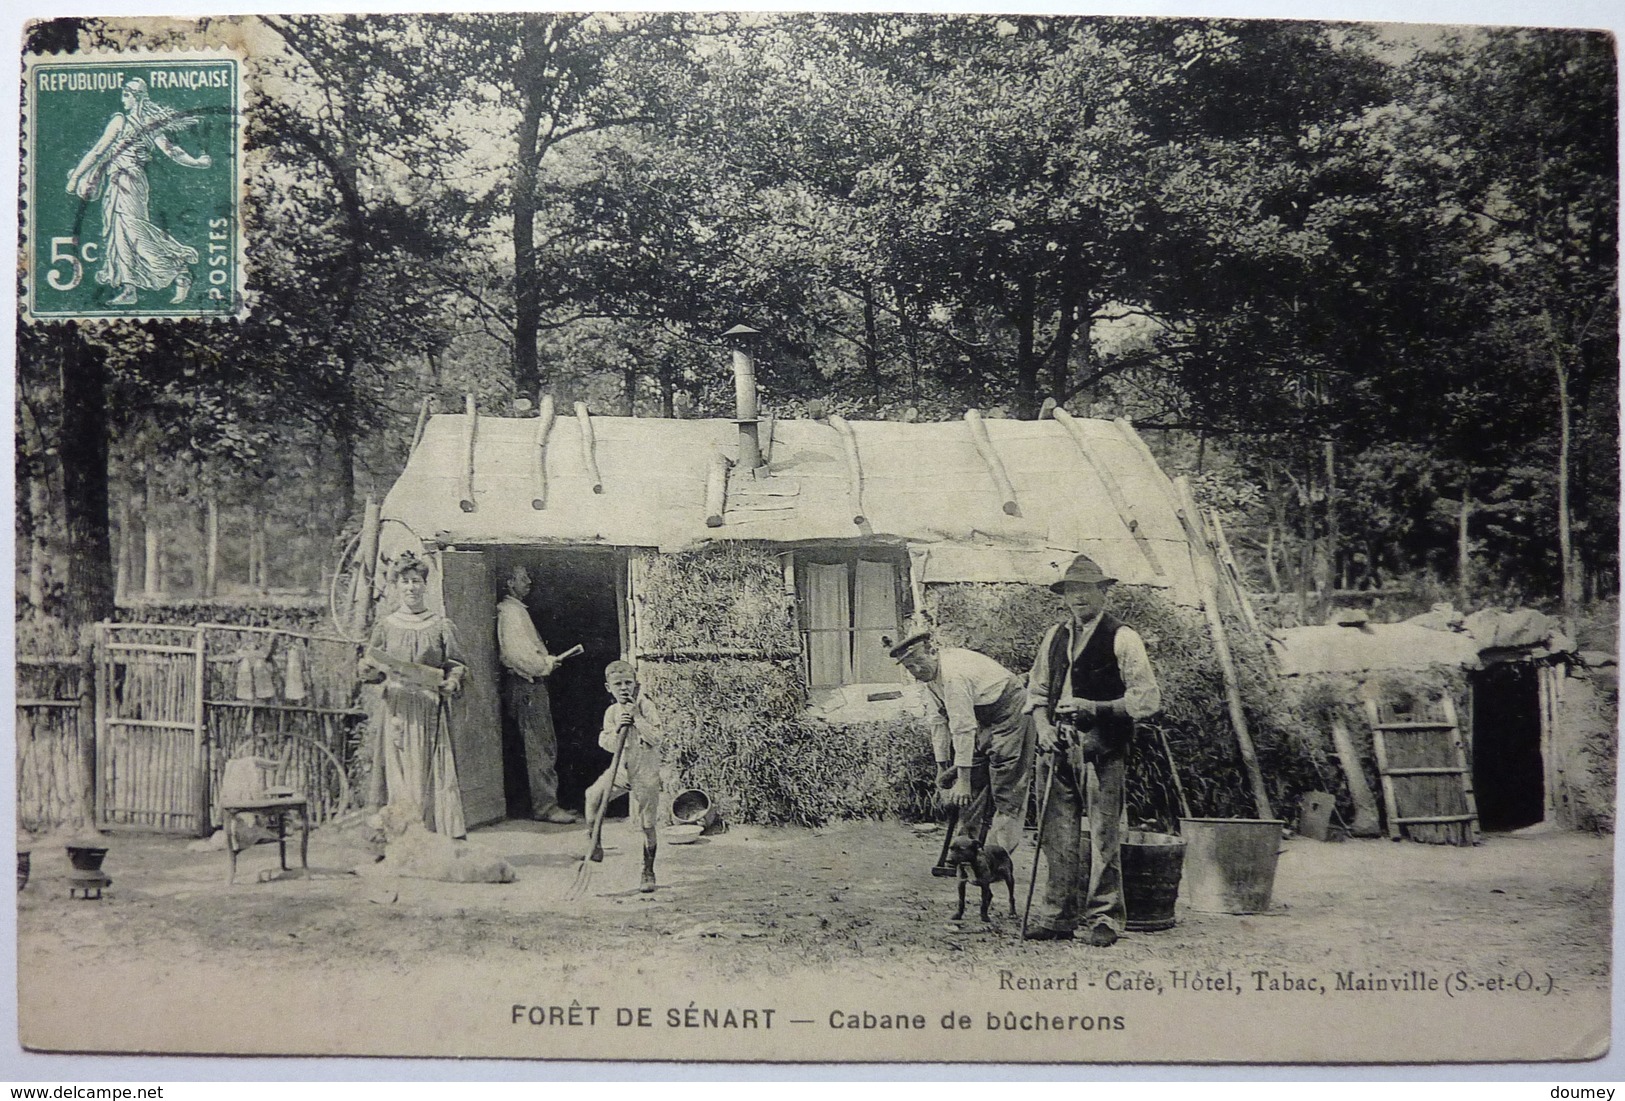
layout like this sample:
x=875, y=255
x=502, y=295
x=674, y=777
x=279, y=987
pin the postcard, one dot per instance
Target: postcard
x=1077, y=539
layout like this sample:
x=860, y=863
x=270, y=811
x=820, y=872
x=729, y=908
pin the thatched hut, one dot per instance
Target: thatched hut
x=1532, y=726
x=750, y=568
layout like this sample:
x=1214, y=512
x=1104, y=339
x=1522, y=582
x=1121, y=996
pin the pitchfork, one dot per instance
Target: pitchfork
x=595, y=847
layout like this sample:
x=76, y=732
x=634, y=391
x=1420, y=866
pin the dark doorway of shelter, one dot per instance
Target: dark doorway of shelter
x=1509, y=776
x=572, y=600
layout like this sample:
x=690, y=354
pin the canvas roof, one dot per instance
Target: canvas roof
x=923, y=485
x=1372, y=648
x=1439, y=638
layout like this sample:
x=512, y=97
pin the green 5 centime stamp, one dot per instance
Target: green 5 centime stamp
x=134, y=183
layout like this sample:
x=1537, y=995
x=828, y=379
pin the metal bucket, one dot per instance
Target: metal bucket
x=1230, y=863
x=1151, y=868
x=692, y=807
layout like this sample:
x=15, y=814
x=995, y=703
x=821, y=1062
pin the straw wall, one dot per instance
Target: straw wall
x=1007, y=620
x=1588, y=743
x=736, y=725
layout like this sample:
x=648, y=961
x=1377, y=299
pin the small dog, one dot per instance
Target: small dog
x=985, y=865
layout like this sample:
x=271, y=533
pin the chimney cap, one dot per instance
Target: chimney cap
x=742, y=332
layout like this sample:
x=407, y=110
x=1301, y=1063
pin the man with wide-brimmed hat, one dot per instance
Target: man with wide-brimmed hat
x=981, y=734
x=1089, y=682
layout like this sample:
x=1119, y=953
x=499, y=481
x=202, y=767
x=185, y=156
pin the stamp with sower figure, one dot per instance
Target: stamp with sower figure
x=133, y=169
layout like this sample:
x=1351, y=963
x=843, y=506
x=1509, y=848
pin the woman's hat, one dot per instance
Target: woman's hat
x=1084, y=571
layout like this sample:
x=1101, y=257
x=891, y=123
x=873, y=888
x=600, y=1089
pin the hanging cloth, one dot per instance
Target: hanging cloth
x=294, y=686
x=265, y=674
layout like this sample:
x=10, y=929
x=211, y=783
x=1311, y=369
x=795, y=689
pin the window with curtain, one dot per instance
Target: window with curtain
x=847, y=604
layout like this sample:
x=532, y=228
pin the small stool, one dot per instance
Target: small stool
x=272, y=808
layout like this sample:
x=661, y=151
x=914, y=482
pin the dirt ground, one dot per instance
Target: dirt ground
x=812, y=921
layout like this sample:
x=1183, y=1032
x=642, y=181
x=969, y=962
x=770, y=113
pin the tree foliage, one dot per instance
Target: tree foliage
x=1373, y=304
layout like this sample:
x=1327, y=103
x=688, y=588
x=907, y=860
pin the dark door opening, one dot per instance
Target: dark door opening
x=1509, y=774
x=572, y=601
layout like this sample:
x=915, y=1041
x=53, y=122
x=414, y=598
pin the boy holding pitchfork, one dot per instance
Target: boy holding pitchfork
x=632, y=718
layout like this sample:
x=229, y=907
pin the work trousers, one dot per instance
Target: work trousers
x=1084, y=886
x=1000, y=769
x=640, y=775
x=527, y=706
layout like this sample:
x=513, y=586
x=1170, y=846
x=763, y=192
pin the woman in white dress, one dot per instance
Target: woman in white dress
x=135, y=253
x=419, y=769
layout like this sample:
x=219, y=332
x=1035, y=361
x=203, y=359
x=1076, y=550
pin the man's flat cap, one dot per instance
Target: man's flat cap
x=907, y=644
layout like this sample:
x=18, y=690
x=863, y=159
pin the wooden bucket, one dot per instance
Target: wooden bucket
x=1152, y=863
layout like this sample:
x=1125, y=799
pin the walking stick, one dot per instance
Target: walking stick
x=1043, y=814
x=941, y=867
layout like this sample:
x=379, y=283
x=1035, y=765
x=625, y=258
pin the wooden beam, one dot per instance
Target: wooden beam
x=1233, y=573
x=1207, y=588
x=854, y=471
x=211, y=562
x=465, y=500
x=1366, y=822
x=1389, y=799
x=1468, y=794
x=544, y=425
x=589, y=447
x=200, y=732
x=366, y=566
x=767, y=444
x=1114, y=492
x=423, y=422
x=716, y=489
x=991, y=460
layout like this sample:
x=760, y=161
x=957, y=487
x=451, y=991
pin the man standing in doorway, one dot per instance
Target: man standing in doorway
x=525, y=665
x=1090, y=681
x=981, y=735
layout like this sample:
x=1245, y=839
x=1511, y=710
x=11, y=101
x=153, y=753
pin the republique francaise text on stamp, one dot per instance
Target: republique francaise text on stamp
x=133, y=168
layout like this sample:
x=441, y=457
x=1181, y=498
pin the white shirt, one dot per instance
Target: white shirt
x=965, y=680
x=521, y=648
x=1141, y=697
x=646, y=725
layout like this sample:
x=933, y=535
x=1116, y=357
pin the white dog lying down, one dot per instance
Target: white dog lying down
x=412, y=851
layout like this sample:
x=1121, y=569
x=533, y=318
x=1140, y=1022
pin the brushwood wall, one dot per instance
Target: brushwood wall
x=721, y=654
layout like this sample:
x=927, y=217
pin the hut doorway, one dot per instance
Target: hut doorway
x=573, y=601
x=1509, y=773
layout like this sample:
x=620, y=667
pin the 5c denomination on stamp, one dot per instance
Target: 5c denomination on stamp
x=133, y=170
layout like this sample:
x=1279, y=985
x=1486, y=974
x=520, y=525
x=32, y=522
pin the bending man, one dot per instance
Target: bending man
x=979, y=729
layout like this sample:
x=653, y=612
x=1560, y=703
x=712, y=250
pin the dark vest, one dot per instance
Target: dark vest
x=1095, y=675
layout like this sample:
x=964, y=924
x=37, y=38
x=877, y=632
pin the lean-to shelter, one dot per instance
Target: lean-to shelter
x=1527, y=716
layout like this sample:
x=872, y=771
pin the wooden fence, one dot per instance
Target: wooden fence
x=56, y=730
x=289, y=697
x=138, y=736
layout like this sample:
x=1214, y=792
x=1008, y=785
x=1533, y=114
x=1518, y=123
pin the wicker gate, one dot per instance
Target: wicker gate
x=151, y=757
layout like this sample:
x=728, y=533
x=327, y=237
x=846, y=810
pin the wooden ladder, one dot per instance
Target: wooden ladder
x=1412, y=756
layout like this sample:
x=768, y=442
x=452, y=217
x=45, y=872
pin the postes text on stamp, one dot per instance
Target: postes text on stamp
x=133, y=166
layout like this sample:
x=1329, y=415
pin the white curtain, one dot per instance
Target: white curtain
x=876, y=616
x=829, y=616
